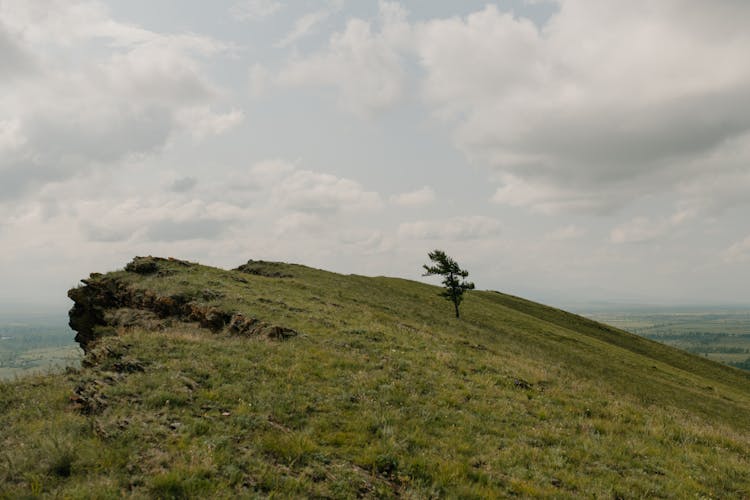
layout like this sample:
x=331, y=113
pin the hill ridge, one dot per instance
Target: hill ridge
x=375, y=390
x=109, y=302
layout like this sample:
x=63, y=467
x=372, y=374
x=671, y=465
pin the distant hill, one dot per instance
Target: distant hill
x=281, y=379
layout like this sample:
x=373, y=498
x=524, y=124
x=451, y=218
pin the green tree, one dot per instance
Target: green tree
x=452, y=275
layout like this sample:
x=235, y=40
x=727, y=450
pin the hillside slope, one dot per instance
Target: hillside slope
x=279, y=378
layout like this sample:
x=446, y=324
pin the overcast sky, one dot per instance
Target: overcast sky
x=567, y=151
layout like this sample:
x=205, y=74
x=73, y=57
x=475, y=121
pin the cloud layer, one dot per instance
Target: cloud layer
x=602, y=143
x=605, y=103
x=64, y=116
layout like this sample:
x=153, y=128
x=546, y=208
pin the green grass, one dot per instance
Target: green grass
x=382, y=394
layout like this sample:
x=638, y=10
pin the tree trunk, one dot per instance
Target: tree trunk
x=455, y=304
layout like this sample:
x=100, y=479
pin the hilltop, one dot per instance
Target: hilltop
x=280, y=378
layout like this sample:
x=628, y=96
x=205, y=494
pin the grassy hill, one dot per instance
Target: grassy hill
x=282, y=379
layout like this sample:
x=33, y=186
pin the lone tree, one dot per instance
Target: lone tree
x=452, y=277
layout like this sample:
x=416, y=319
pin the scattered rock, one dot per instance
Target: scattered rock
x=478, y=347
x=142, y=265
x=128, y=365
x=521, y=383
x=209, y=294
x=101, y=354
x=166, y=306
x=249, y=327
x=264, y=268
x=278, y=332
x=242, y=325
x=189, y=383
x=208, y=316
x=88, y=399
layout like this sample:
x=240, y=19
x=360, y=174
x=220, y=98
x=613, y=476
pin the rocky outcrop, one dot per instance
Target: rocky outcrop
x=264, y=268
x=105, y=303
x=152, y=265
x=91, y=302
x=242, y=325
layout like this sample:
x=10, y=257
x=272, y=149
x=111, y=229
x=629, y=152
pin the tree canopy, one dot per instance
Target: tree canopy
x=453, y=277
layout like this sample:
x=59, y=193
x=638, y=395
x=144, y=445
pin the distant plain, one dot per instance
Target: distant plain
x=36, y=343
x=721, y=335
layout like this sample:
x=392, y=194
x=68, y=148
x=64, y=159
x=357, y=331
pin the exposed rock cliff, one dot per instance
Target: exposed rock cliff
x=107, y=302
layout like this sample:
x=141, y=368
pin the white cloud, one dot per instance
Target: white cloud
x=366, y=241
x=157, y=217
x=269, y=172
x=719, y=181
x=638, y=230
x=255, y=10
x=738, y=252
x=259, y=80
x=602, y=105
x=303, y=27
x=96, y=108
x=270, y=199
x=365, y=66
x=276, y=189
x=298, y=222
x=10, y=135
x=548, y=197
x=201, y=121
x=276, y=197
x=453, y=228
x=422, y=196
x=587, y=108
x=172, y=230
x=183, y=184
x=643, y=229
x=14, y=60
x=469, y=60
x=566, y=233
x=307, y=191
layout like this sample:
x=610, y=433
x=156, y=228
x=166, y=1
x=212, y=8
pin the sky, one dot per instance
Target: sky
x=569, y=151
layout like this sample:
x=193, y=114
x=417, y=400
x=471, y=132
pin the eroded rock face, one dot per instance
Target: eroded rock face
x=105, y=303
x=90, y=303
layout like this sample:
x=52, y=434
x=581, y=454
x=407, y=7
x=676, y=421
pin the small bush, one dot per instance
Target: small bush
x=61, y=462
x=386, y=464
x=181, y=484
x=201, y=428
x=170, y=485
x=162, y=398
